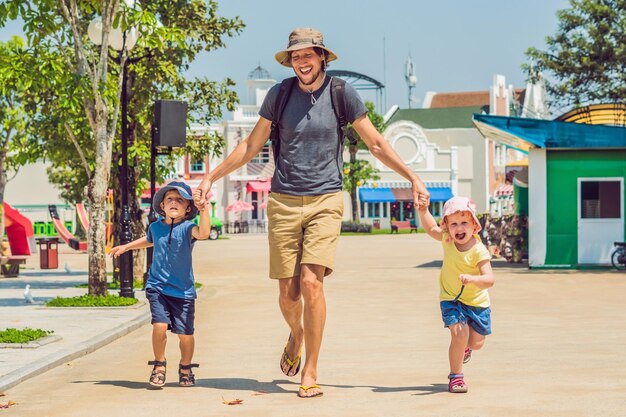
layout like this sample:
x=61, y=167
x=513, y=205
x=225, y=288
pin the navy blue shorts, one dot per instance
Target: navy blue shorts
x=178, y=313
x=478, y=318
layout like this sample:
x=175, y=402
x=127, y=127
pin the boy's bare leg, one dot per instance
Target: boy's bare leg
x=290, y=302
x=312, y=286
x=459, y=334
x=159, y=340
x=187, y=343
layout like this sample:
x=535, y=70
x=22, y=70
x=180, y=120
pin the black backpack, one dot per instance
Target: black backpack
x=337, y=92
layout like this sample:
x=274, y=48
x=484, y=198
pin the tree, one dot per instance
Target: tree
x=155, y=70
x=16, y=145
x=78, y=86
x=586, y=55
x=357, y=172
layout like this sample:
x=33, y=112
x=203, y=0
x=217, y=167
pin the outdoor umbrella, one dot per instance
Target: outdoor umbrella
x=238, y=206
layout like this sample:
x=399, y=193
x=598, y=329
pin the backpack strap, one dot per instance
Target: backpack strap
x=279, y=107
x=337, y=96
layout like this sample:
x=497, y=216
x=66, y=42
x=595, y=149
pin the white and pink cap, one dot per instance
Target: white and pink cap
x=456, y=204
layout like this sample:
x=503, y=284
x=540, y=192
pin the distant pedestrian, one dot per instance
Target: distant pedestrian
x=465, y=276
x=170, y=288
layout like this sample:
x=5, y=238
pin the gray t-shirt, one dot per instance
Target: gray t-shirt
x=310, y=159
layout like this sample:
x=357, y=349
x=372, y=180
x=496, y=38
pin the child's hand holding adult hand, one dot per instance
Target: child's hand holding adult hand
x=197, y=199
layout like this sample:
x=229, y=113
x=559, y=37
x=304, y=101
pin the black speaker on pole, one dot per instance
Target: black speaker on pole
x=170, y=123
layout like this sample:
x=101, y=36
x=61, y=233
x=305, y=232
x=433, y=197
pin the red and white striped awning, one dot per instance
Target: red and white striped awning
x=504, y=190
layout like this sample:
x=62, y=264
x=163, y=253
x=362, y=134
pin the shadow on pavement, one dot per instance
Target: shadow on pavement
x=40, y=284
x=123, y=384
x=244, y=384
x=217, y=383
x=495, y=264
x=425, y=390
x=241, y=384
x=19, y=302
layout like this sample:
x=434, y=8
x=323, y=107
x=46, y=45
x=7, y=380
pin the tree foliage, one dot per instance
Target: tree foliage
x=17, y=147
x=76, y=85
x=584, y=59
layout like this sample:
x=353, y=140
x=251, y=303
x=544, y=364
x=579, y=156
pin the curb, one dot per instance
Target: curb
x=81, y=349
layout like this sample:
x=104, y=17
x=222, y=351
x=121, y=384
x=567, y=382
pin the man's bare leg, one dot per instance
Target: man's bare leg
x=290, y=302
x=312, y=288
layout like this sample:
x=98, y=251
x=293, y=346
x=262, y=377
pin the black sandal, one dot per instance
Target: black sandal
x=159, y=375
x=187, y=380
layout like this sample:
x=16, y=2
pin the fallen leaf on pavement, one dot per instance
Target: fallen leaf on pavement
x=7, y=405
x=2, y=394
x=232, y=402
x=260, y=392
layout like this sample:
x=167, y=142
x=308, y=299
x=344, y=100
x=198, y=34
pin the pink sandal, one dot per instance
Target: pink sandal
x=456, y=384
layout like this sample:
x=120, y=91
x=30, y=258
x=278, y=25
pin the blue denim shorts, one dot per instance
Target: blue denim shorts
x=178, y=313
x=478, y=318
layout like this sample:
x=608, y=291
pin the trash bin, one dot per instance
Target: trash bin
x=39, y=228
x=376, y=224
x=48, y=253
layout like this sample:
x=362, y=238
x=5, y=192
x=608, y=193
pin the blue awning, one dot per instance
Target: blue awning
x=440, y=194
x=376, y=195
x=390, y=195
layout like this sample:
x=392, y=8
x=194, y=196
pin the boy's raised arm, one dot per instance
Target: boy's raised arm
x=203, y=229
x=140, y=243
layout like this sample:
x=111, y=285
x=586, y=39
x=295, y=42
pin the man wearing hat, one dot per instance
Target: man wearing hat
x=305, y=207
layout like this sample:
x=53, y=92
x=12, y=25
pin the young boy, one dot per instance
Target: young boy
x=170, y=287
x=465, y=276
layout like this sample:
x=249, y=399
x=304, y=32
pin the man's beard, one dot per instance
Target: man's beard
x=313, y=79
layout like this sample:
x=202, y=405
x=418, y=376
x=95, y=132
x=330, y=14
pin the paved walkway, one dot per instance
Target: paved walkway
x=557, y=347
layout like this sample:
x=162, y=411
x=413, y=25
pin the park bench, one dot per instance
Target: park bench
x=403, y=225
x=10, y=265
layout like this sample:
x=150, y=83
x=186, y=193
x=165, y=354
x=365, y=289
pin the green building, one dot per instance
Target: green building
x=576, y=179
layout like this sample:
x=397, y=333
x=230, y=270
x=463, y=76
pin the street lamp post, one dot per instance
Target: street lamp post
x=125, y=233
x=121, y=41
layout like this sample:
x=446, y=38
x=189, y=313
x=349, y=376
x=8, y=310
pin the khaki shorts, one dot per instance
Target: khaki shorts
x=303, y=230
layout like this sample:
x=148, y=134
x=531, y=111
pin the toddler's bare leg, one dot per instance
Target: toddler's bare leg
x=459, y=336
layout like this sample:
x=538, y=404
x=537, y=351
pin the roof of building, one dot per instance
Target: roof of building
x=525, y=133
x=445, y=118
x=259, y=73
x=469, y=98
x=460, y=99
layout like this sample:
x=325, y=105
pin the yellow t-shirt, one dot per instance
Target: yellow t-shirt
x=456, y=263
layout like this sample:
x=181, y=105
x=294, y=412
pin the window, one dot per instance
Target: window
x=435, y=209
x=373, y=209
x=600, y=200
x=362, y=209
x=385, y=209
x=263, y=157
x=197, y=165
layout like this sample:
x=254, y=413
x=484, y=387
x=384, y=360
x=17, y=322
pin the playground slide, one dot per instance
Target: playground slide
x=19, y=232
x=84, y=220
x=82, y=216
x=65, y=234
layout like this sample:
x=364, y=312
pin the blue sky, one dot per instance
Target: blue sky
x=455, y=45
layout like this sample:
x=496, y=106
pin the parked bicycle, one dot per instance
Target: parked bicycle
x=618, y=257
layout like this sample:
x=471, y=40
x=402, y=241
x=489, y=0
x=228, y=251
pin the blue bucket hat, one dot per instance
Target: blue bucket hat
x=185, y=192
